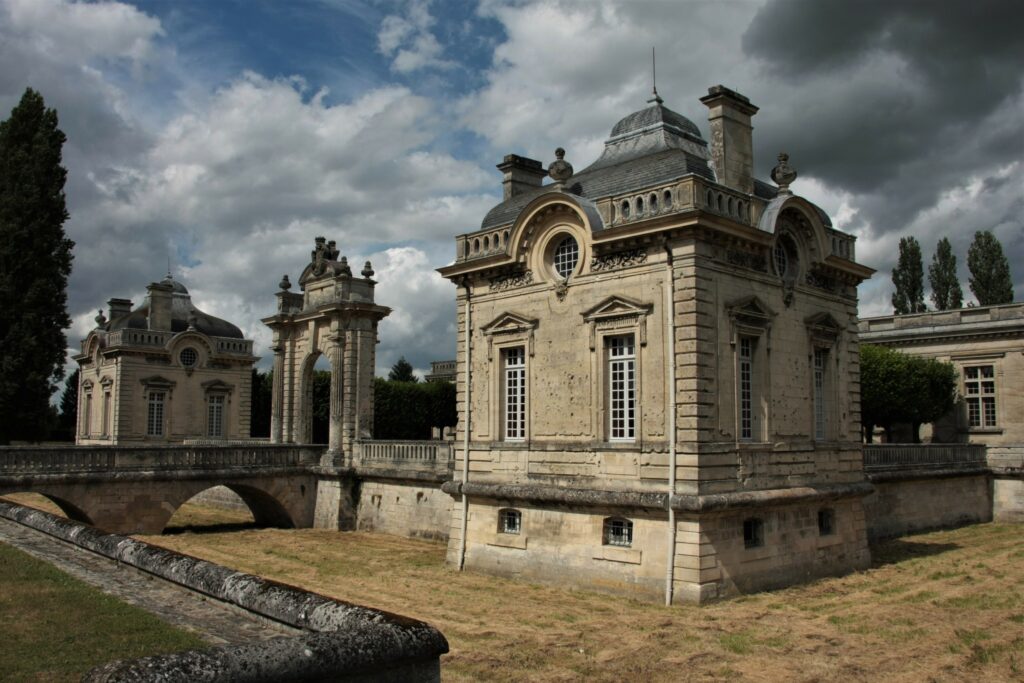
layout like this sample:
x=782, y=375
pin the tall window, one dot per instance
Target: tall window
x=515, y=393
x=106, y=413
x=621, y=388
x=87, y=416
x=980, y=389
x=746, y=388
x=155, y=416
x=215, y=416
x=820, y=364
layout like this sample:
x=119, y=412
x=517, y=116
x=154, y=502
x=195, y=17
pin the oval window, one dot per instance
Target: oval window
x=188, y=357
x=566, y=256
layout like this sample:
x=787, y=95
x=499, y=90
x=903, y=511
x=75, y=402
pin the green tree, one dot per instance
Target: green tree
x=259, y=411
x=409, y=410
x=402, y=372
x=35, y=261
x=946, y=292
x=68, y=419
x=908, y=277
x=990, y=271
x=898, y=388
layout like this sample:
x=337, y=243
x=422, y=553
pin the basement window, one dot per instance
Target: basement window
x=753, y=533
x=826, y=522
x=510, y=521
x=618, y=531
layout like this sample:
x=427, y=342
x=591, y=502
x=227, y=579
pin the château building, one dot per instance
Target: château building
x=163, y=372
x=657, y=370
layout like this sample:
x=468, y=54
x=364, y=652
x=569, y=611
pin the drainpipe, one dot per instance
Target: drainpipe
x=465, y=430
x=670, y=326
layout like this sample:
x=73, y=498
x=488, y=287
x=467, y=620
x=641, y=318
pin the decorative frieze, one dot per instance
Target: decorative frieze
x=620, y=259
x=747, y=259
x=500, y=284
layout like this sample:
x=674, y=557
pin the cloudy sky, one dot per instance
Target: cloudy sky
x=224, y=135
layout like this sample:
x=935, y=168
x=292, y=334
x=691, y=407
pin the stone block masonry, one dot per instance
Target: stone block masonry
x=343, y=642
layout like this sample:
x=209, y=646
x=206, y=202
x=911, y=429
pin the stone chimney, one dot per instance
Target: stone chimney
x=521, y=174
x=160, y=305
x=732, y=150
x=119, y=307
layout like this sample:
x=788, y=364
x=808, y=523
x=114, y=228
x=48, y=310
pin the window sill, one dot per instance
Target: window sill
x=612, y=553
x=501, y=540
x=982, y=430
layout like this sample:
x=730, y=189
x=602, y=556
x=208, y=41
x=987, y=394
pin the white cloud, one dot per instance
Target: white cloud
x=409, y=42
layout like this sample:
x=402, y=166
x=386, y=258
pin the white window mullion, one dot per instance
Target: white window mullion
x=515, y=394
x=621, y=388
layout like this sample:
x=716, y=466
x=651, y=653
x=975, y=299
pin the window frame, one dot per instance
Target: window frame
x=617, y=532
x=820, y=383
x=517, y=372
x=826, y=522
x=218, y=401
x=621, y=367
x=753, y=533
x=156, y=427
x=750, y=322
x=506, y=515
x=980, y=398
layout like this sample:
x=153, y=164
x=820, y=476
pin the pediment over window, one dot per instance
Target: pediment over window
x=157, y=382
x=217, y=386
x=618, y=313
x=750, y=311
x=509, y=323
x=87, y=385
x=106, y=382
x=823, y=328
x=617, y=307
x=510, y=327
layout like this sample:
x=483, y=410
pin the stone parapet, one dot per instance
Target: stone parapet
x=65, y=459
x=348, y=642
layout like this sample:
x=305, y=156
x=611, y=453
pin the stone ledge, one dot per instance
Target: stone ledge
x=882, y=476
x=659, y=501
x=348, y=641
x=187, y=474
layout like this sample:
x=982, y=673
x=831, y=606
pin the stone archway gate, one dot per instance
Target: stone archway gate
x=334, y=316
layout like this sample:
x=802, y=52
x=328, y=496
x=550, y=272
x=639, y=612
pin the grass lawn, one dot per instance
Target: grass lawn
x=56, y=627
x=944, y=606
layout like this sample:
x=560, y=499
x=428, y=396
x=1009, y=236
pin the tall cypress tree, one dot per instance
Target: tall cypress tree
x=990, y=271
x=908, y=277
x=35, y=261
x=946, y=292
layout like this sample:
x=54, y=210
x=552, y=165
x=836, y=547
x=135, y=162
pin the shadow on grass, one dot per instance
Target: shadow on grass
x=212, y=528
x=900, y=550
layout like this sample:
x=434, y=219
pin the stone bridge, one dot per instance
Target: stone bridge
x=137, y=489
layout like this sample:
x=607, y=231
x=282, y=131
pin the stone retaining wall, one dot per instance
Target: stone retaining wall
x=1007, y=465
x=343, y=641
x=911, y=502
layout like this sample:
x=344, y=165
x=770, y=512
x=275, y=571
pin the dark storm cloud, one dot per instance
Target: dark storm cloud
x=897, y=84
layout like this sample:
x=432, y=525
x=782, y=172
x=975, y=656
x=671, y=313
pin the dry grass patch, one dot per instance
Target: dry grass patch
x=944, y=606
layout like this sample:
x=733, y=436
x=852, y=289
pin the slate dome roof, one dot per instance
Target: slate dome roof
x=652, y=116
x=182, y=310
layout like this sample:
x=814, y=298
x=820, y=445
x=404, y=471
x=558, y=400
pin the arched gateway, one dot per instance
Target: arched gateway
x=334, y=316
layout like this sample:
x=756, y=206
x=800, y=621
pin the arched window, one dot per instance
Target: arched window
x=618, y=531
x=652, y=201
x=666, y=200
x=625, y=209
x=639, y=206
x=510, y=521
x=476, y=245
x=487, y=244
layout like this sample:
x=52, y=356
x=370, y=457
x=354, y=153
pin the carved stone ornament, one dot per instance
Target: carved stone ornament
x=319, y=256
x=620, y=259
x=561, y=289
x=500, y=284
x=783, y=174
x=746, y=259
x=560, y=170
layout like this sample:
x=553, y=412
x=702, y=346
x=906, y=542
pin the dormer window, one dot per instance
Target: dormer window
x=566, y=256
x=188, y=357
x=785, y=258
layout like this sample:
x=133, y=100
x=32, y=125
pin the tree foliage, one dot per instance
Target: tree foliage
x=406, y=410
x=259, y=409
x=898, y=388
x=990, y=271
x=67, y=420
x=946, y=291
x=401, y=371
x=35, y=261
x=908, y=277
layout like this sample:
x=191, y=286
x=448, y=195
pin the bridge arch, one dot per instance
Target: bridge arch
x=71, y=510
x=271, y=503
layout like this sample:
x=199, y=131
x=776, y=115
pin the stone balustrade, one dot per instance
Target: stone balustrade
x=67, y=459
x=889, y=457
